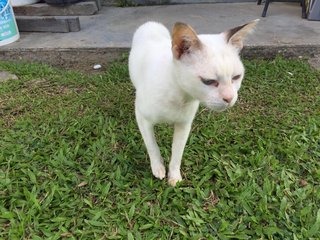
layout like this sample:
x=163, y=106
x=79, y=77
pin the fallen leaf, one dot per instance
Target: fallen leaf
x=66, y=234
x=82, y=184
x=303, y=183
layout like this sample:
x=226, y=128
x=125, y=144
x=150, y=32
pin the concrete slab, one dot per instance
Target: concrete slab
x=110, y=31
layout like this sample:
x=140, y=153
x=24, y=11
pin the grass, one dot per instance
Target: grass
x=73, y=164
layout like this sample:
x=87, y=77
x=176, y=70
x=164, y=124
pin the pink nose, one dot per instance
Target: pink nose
x=227, y=99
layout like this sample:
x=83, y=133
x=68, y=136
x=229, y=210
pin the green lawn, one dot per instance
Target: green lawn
x=73, y=163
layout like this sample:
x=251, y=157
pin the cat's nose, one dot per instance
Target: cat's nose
x=227, y=99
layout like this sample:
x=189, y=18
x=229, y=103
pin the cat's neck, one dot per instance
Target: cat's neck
x=180, y=93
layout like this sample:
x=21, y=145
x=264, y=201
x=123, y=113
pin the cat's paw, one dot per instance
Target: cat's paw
x=159, y=171
x=174, y=179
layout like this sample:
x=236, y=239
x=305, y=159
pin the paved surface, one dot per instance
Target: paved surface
x=106, y=34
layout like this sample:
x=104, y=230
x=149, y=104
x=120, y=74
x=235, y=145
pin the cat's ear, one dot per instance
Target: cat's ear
x=235, y=36
x=184, y=40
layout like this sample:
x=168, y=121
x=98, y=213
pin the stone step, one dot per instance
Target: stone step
x=44, y=9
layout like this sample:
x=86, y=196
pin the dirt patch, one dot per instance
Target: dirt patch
x=82, y=60
x=315, y=62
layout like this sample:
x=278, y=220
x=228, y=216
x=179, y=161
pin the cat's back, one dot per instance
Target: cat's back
x=150, y=33
x=151, y=48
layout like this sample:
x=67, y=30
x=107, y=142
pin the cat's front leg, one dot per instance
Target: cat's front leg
x=147, y=132
x=180, y=136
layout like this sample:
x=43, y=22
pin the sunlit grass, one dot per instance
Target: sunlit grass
x=73, y=163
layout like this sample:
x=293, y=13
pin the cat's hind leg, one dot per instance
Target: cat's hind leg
x=147, y=132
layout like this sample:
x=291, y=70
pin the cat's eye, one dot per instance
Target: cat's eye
x=210, y=82
x=237, y=77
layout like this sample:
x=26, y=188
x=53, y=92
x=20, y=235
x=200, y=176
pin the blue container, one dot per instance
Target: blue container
x=8, y=27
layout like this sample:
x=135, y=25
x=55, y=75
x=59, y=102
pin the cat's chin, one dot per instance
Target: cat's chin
x=216, y=108
x=219, y=109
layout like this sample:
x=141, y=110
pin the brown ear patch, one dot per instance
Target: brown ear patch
x=235, y=36
x=233, y=31
x=184, y=40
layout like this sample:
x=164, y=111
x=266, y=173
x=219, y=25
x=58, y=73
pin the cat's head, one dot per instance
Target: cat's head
x=208, y=67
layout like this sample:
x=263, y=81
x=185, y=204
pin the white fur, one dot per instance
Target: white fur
x=170, y=90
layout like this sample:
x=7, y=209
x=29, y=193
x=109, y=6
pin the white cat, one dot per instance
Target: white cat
x=172, y=75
